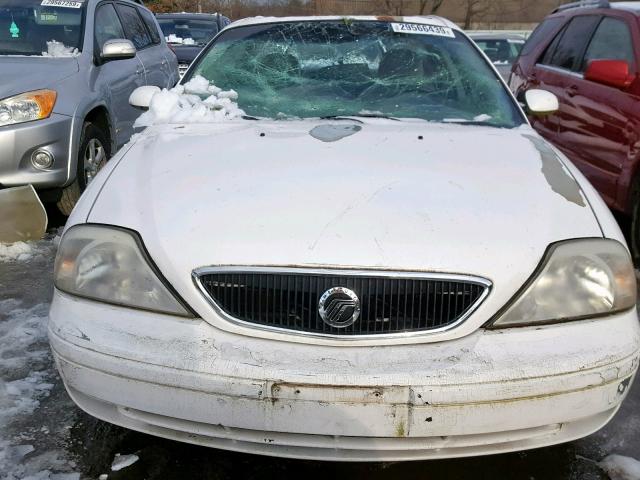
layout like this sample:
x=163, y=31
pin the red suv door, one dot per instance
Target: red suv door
x=600, y=124
x=556, y=69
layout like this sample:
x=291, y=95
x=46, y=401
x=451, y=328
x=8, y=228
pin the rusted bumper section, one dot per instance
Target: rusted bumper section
x=220, y=399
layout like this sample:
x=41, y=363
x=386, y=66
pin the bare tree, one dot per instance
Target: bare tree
x=435, y=6
x=473, y=10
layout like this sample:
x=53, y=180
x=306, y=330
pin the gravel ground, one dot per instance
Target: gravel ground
x=43, y=435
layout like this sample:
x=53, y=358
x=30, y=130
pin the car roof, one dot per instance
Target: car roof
x=426, y=20
x=186, y=15
x=575, y=8
x=496, y=36
x=632, y=6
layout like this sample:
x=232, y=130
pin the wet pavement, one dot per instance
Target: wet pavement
x=65, y=439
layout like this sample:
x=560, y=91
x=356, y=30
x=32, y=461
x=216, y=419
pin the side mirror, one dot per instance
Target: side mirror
x=141, y=96
x=540, y=102
x=117, y=49
x=614, y=73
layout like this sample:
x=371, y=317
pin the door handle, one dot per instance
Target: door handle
x=139, y=71
x=572, y=90
x=164, y=62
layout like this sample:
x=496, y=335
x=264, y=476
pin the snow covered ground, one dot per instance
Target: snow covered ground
x=34, y=411
x=44, y=436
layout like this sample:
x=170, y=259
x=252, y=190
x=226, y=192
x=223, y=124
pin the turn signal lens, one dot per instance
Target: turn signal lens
x=27, y=107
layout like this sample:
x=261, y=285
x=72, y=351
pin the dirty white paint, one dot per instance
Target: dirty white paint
x=370, y=193
x=408, y=196
x=488, y=392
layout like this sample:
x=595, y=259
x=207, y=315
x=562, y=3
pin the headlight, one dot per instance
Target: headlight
x=578, y=279
x=110, y=265
x=27, y=107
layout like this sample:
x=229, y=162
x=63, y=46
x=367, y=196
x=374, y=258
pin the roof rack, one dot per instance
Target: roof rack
x=582, y=4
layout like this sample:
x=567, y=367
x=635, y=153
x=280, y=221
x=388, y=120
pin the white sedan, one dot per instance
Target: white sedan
x=340, y=239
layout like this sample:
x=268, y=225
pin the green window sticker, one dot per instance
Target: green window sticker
x=14, y=30
x=48, y=18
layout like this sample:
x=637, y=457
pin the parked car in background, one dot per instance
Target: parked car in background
x=502, y=48
x=67, y=69
x=332, y=263
x=588, y=55
x=188, y=33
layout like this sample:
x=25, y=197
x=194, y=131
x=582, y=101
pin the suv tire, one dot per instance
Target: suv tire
x=93, y=154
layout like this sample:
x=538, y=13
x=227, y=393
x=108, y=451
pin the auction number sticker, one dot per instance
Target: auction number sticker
x=61, y=3
x=423, y=29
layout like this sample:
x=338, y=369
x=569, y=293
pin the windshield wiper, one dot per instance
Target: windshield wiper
x=359, y=115
x=249, y=117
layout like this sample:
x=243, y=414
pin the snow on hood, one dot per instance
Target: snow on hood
x=197, y=101
x=58, y=49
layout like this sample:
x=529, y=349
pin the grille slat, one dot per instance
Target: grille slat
x=389, y=304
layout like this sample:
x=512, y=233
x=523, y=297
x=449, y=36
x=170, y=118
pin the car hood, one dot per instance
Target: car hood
x=385, y=195
x=24, y=74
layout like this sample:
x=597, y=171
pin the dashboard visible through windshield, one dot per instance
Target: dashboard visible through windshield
x=41, y=27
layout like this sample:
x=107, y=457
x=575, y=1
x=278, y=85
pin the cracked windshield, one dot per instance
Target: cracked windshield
x=359, y=68
x=41, y=27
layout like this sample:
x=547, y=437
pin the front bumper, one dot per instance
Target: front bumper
x=18, y=142
x=489, y=392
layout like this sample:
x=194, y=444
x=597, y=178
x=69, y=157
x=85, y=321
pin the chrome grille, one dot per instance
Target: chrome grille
x=182, y=68
x=390, y=302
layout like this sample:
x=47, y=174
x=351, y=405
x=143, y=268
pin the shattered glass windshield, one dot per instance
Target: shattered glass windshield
x=41, y=27
x=366, y=68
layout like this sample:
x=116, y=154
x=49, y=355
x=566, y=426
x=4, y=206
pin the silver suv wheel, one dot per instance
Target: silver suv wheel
x=95, y=157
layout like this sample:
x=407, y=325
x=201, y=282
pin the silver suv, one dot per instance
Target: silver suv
x=67, y=68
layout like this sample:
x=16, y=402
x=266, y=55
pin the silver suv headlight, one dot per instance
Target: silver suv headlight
x=27, y=107
x=111, y=265
x=578, y=279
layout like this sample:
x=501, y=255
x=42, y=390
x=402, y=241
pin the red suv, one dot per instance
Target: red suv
x=588, y=55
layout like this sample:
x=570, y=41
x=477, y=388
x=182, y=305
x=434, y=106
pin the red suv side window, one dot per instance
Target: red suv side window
x=568, y=47
x=543, y=30
x=612, y=41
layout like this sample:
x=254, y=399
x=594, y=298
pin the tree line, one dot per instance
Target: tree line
x=467, y=13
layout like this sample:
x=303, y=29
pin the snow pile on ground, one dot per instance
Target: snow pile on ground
x=619, y=467
x=123, y=461
x=25, y=380
x=14, y=464
x=197, y=101
x=58, y=49
x=23, y=336
x=16, y=251
x=31, y=250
